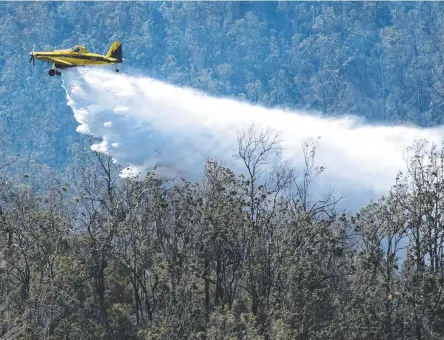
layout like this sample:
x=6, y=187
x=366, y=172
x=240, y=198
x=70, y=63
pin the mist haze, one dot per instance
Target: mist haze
x=148, y=124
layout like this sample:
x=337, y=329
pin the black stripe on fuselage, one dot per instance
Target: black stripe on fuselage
x=84, y=57
x=81, y=57
x=87, y=57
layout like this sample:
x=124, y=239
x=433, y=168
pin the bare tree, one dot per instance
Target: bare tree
x=301, y=197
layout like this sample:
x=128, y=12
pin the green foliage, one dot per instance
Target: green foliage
x=96, y=257
x=378, y=60
x=225, y=258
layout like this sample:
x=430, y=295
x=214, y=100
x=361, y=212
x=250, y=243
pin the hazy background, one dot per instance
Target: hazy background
x=379, y=61
x=146, y=124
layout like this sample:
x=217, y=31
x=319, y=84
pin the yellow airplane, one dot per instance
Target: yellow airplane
x=78, y=56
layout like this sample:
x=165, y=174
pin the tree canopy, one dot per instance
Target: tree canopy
x=85, y=254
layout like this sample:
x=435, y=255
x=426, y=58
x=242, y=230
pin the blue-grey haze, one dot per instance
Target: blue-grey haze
x=380, y=60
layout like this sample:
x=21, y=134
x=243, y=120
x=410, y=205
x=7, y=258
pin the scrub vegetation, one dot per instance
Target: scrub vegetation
x=85, y=254
x=230, y=257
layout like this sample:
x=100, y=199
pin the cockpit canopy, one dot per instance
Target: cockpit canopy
x=80, y=49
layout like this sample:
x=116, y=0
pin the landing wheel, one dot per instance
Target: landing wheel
x=117, y=70
x=51, y=72
x=58, y=73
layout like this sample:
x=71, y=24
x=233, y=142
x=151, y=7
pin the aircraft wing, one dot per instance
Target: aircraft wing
x=61, y=62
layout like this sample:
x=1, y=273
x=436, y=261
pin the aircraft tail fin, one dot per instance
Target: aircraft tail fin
x=115, y=51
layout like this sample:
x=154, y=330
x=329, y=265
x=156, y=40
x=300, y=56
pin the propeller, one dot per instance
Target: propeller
x=32, y=57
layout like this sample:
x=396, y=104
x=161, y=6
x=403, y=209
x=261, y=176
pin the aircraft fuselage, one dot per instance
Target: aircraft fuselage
x=78, y=56
x=76, y=59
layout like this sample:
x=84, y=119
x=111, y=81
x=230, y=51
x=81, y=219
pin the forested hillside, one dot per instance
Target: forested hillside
x=226, y=258
x=381, y=60
x=85, y=254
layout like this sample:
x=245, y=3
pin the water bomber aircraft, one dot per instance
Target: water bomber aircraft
x=78, y=56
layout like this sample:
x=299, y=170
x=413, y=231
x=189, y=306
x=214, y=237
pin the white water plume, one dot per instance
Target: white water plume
x=145, y=123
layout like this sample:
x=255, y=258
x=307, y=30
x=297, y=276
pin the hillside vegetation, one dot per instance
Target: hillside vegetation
x=381, y=60
x=225, y=258
x=85, y=254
